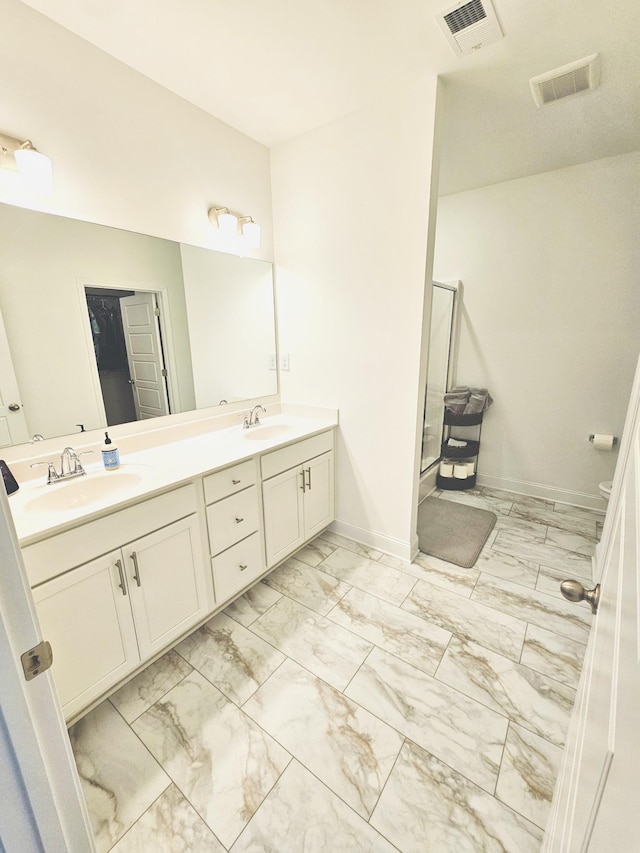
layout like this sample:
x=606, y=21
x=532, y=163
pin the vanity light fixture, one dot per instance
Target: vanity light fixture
x=34, y=168
x=250, y=232
x=227, y=224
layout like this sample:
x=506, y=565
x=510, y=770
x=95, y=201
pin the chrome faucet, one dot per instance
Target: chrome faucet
x=253, y=417
x=70, y=466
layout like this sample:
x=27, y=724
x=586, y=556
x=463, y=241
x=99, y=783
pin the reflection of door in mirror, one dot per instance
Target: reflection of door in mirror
x=440, y=373
x=127, y=344
x=13, y=426
x=145, y=355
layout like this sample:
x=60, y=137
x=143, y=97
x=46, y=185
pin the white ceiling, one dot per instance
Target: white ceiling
x=276, y=68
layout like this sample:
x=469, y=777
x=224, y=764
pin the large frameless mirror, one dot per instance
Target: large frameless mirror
x=103, y=326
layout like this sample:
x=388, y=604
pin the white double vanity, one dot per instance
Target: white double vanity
x=123, y=564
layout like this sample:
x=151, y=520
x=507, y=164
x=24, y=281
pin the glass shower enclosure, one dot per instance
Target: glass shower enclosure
x=443, y=334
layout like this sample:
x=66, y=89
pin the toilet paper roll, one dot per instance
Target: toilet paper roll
x=446, y=469
x=602, y=442
x=460, y=471
x=471, y=468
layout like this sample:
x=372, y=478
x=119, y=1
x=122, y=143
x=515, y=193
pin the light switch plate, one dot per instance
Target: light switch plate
x=284, y=361
x=271, y=361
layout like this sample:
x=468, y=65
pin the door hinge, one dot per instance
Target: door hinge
x=156, y=311
x=164, y=371
x=37, y=660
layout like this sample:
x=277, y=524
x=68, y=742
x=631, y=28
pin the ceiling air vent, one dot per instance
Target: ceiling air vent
x=469, y=26
x=580, y=76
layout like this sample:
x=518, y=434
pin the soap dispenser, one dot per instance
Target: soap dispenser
x=110, y=455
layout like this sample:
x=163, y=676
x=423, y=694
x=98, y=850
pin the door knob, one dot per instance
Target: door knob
x=14, y=407
x=575, y=591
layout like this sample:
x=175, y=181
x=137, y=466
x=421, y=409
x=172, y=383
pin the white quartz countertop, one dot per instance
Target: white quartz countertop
x=40, y=510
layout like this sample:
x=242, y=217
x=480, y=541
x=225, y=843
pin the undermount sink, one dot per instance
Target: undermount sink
x=83, y=491
x=266, y=432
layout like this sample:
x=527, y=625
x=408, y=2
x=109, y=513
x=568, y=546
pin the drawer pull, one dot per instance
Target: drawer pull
x=309, y=478
x=236, y=482
x=239, y=520
x=243, y=567
x=122, y=584
x=136, y=572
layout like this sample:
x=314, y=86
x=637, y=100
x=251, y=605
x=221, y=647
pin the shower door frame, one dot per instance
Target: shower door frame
x=456, y=288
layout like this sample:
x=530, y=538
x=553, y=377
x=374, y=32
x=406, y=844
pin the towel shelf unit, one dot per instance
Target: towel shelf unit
x=462, y=428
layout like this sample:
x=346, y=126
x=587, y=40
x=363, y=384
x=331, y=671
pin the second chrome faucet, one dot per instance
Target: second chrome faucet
x=253, y=417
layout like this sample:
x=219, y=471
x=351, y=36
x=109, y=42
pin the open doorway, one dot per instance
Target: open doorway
x=129, y=353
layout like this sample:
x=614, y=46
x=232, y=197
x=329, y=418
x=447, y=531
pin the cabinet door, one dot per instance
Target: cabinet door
x=166, y=578
x=86, y=616
x=283, y=518
x=319, y=506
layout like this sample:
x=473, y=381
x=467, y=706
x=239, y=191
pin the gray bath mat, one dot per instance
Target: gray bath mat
x=453, y=531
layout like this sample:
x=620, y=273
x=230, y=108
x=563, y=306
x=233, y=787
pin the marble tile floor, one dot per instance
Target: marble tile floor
x=351, y=702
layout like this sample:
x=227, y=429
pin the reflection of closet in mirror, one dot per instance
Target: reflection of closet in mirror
x=445, y=309
x=127, y=343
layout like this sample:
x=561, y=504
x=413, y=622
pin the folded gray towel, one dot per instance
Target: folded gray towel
x=456, y=399
x=479, y=401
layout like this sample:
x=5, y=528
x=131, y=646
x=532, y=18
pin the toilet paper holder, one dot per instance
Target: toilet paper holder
x=592, y=437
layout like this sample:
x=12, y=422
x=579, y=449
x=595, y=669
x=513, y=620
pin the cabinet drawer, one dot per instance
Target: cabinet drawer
x=53, y=556
x=237, y=567
x=295, y=454
x=232, y=519
x=224, y=483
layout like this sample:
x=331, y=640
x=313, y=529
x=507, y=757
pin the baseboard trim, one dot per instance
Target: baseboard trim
x=404, y=551
x=538, y=490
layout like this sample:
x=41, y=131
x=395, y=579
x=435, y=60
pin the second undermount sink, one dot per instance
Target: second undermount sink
x=83, y=491
x=266, y=432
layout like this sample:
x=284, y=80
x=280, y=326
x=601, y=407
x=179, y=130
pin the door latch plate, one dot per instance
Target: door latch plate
x=37, y=660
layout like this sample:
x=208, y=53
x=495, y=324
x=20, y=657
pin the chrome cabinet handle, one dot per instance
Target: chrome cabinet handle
x=309, y=478
x=122, y=583
x=304, y=482
x=136, y=572
x=236, y=482
x=239, y=520
x=243, y=567
x=574, y=591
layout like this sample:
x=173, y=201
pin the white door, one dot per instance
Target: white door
x=13, y=425
x=596, y=802
x=141, y=323
x=42, y=805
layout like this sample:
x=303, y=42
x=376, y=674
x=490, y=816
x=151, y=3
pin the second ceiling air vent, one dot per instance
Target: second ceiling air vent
x=469, y=26
x=580, y=76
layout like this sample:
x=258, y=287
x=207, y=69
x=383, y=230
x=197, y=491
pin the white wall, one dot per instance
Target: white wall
x=125, y=151
x=351, y=204
x=551, y=318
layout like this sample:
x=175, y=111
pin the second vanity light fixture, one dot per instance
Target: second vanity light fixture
x=228, y=222
x=34, y=168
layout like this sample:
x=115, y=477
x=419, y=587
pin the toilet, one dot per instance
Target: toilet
x=605, y=489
